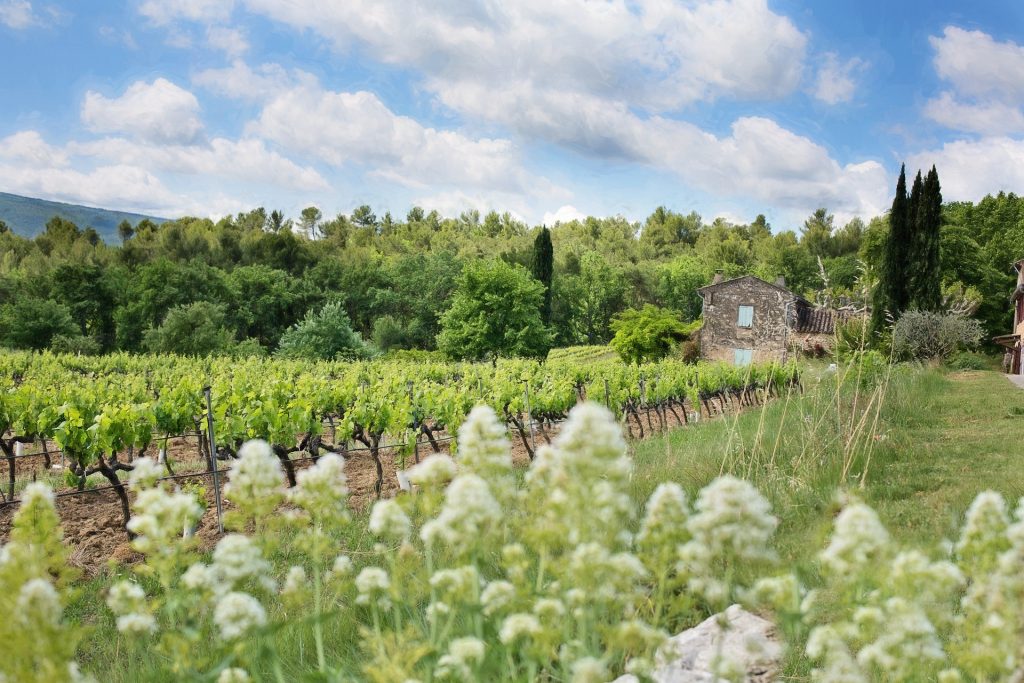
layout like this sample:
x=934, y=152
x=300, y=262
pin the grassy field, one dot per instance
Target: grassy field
x=937, y=441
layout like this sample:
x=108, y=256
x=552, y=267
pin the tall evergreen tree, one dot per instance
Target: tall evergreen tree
x=891, y=292
x=543, y=268
x=928, y=283
x=912, y=267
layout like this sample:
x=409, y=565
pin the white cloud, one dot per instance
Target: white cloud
x=167, y=11
x=230, y=41
x=16, y=14
x=564, y=214
x=987, y=81
x=357, y=128
x=242, y=82
x=159, y=112
x=970, y=169
x=991, y=117
x=977, y=65
x=247, y=159
x=836, y=80
x=28, y=147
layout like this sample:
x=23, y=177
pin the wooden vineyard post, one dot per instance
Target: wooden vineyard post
x=529, y=415
x=213, y=459
x=607, y=395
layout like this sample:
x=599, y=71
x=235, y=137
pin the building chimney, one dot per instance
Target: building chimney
x=780, y=281
x=718, y=277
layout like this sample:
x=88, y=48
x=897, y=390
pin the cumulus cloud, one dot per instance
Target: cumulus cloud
x=986, y=79
x=246, y=159
x=836, y=81
x=564, y=214
x=357, y=128
x=242, y=82
x=970, y=169
x=28, y=147
x=159, y=112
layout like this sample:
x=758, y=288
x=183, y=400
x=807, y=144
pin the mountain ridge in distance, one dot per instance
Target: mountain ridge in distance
x=27, y=216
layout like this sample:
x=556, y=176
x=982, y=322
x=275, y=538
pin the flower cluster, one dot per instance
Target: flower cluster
x=255, y=480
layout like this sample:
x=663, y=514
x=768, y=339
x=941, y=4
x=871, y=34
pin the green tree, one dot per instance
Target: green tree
x=310, y=221
x=584, y=303
x=816, y=235
x=125, y=231
x=495, y=311
x=891, y=295
x=543, y=268
x=926, y=282
x=197, y=329
x=677, y=282
x=30, y=322
x=647, y=334
x=325, y=334
x=263, y=302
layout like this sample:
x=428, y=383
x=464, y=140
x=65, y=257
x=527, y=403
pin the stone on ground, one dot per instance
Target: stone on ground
x=748, y=646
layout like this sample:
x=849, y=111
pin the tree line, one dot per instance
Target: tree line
x=258, y=282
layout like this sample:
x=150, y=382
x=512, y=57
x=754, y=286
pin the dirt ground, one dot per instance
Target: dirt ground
x=94, y=527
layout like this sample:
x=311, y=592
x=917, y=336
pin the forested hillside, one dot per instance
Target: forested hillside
x=239, y=284
x=28, y=216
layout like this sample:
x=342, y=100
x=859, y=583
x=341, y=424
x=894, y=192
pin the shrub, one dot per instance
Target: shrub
x=648, y=334
x=968, y=360
x=924, y=334
x=326, y=334
x=33, y=323
x=197, y=329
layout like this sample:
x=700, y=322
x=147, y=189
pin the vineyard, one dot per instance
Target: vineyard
x=79, y=423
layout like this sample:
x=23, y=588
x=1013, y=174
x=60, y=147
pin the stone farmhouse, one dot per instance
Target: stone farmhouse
x=1012, y=361
x=748, y=320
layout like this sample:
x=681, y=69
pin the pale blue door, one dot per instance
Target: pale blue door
x=742, y=356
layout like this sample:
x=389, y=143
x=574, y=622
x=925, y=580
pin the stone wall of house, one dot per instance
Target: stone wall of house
x=766, y=337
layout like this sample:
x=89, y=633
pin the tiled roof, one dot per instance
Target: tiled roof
x=820, y=320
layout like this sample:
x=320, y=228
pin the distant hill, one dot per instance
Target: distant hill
x=27, y=216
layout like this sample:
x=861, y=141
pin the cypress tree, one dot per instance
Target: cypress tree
x=929, y=283
x=914, y=263
x=891, y=292
x=543, y=268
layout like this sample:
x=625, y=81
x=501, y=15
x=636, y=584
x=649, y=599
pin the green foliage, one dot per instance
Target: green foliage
x=33, y=323
x=647, y=334
x=197, y=329
x=924, y=334
x=323, y=334
x=543, y=268
x=495, y=311
x=969, y=360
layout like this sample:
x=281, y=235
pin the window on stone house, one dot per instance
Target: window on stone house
x=742, y=357
x=746, y=316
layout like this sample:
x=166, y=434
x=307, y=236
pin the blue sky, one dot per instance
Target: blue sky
x=550, y=109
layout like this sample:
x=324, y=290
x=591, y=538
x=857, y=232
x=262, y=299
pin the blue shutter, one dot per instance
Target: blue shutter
x=742, y=357
x=746, y=317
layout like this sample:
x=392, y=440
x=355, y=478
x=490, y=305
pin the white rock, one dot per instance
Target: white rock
x=748, y=645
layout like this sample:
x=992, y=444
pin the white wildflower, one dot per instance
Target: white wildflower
x=238, y=613
x=295, y=582
x=38, y=602
x=664, y=523
x=203, y=578
x=825, y=643
x=912, y=573
x=467, y=517
x=389, y=521
x=237, y=558
x=463, y=656
x=459, y=585
x=781, y=593
x=145, y=473
x=342, y=567
x=984, y=533
x=322, y=490
x=549, y=609
x=372, y=583
x=233, y=675
x=484, y=450
x=496, y=596
x=907, y=645
x=518, y=626
x=437, y=611
x=126, y=597
x=159, y=517
x=36, y=493
x=858, y=542
x=589, y=670
x=137, y=623
x=256, y=479
x=468, y=650
x=433, y=472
